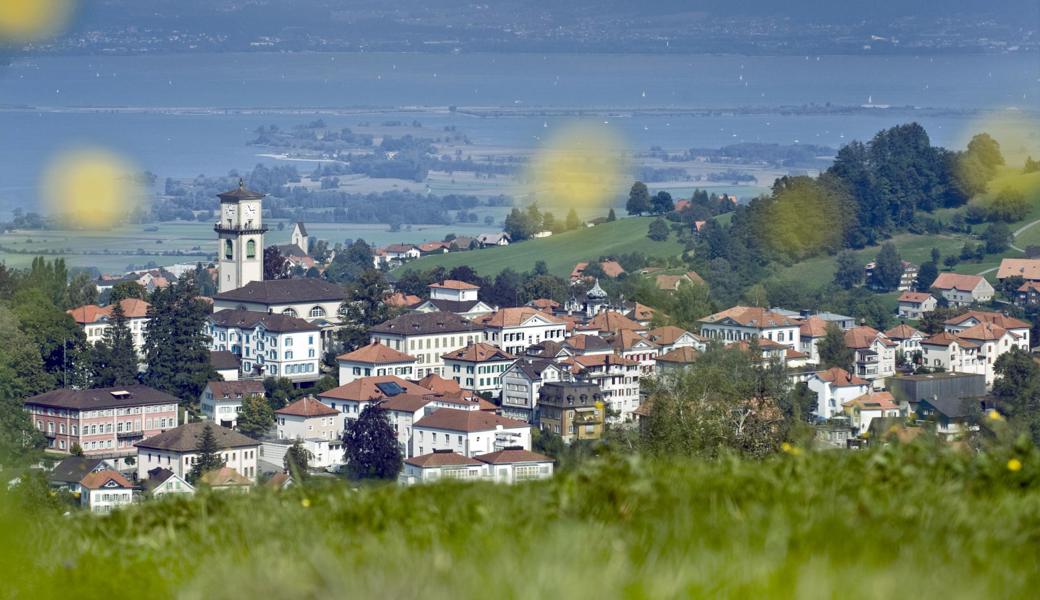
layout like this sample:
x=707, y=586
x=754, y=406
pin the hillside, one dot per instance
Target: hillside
x=560, y=252
x=942, y=524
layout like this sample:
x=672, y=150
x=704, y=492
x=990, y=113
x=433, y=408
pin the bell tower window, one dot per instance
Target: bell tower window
x=251, y=249
x=229, y=249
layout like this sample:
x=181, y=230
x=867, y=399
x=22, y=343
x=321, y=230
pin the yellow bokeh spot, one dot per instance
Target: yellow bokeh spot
x=92, y=189
x=994, y=415
x=1017, y=133
x=25, y=20
x=582, y=166
x=306, y=503
x=1014, y=465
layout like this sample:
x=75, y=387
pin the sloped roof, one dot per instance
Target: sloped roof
x=425, y=324
x=914, y=297
x=602, y=360
x=406, y=402
x=441, y=459
x=478, y=352
x=223, y=477
x=99, y=479
x=903, y=332
x=467, y=421
x=751, y=316
x=874, y=401
x=236, y=389
x=626, y=339
x=239, y=193
x=376, y=354
x=641, y=312
x=1026, y=268
x=864, y=337
x=983, y=332
x=223, y=360
x=839, y=377
x=365, y=388
x=454, y=284
x=684, y=355
x=516, y=316
x=667, y=335
x=814, y=326
x=402, y=300
x=612, y=321
x=285, y=291
x=544, y=304
x=512, y=456
x=133, y=308
x=437, y=384
x=946, y=338
x=957, y=281
x=671, y=282
x=99, y=398
x=1005, y=321
x=74, y=468
x=186, y=438
x=587, y=343
x=248, y=319
x=307, y=407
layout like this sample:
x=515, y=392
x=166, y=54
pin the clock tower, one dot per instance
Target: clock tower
x=241, y=238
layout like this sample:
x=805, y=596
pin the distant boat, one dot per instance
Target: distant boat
x=644, y=93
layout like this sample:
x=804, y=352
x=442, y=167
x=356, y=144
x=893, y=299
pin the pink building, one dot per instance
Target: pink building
x=105, y=422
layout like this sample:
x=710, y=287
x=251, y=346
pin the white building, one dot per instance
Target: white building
x=177, y=450
x=241, y=235
x=505, y=466
x=975, y=317
x=617, y=378
x=403, y=410
x=834, y=387
x=949, y=352
x=354, y=397
x=963, y=290
x=864, y=409
x=914, y=305
x=522, y=383
x=314, y=300
x=318, y=427
x=269, y=345
x=456, y=297
x=670, y=338
x=221, y=401
x=103, y=491
x=468, y=432
x=514, y=465
x=493, y=239
x=163, y=482
x=96, y=320
x=745, y=322
x=908, y=338
x=375, y=359
x=478, y=367
x=633, y=346
x=427, y=337
x=299, y=237
x=875, y=354
x=515, y=329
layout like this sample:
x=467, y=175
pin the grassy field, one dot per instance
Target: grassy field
x=560, y=252
x=916, y=522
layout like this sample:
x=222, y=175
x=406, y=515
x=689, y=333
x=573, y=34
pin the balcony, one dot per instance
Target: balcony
x=219, y=228
x=123, y=435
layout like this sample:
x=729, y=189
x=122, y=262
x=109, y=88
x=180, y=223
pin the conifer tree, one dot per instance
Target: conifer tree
x=208, y=455
x=176, y=347
x=117, y=358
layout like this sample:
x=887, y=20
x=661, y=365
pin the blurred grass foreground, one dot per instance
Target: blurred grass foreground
x=896, y=522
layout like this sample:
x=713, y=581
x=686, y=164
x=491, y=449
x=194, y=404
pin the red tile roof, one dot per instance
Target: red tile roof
x=98, y=479
x=667, y=335
x=874, y=401
x=988, y=317
x=454, y=284
x=751, y=316
x=439, y=385
x=684, y=355
x=513, y=456
x=467, y=421
x=516, y=316
x=903, y=332
x=612, y=321
x=478, y=352
x=307, y=407
x=841, y=378
x=365, y=389
x=441, y=459
x=957, y=281
x=814, y=326
x=946, y=338
x=864, y=337
x=1026, y=268
x=376, y=354
x=914, y=297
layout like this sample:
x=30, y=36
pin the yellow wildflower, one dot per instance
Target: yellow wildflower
x=1014, y=465
x=306, y=503
x=994, y=415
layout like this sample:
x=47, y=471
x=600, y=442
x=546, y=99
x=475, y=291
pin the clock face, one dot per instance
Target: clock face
x=229, y=211
x=250, y=210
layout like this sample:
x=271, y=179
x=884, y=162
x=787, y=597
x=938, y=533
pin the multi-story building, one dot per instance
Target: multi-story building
x=375, y=359
x=834, y=387
x=177, y=450
x=241, y=232
x=745, y=322
x=354, y=397
x=616, y=377
x=269, y=345
x=510, y=465
x=974, y=317
x=314, y=300
x=103, y=491
x=456, y=297
x=864, y=409
x=875, y=354
x=514, y=329
x=670, y=337
x=908, y=338
x=478, y=367
x=104, y=422
x=573, y=410
x=522, y=383
x=316, y=426
x=221, y=401
x=468, y=432
x=949, y=352
x=963, y=290
x=96, y=320
x=914, y=305
x=1028, y=294
x=427, y=337
x=633, y=346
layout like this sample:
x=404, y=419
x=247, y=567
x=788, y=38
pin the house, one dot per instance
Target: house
x=947, y=352
x=177, y=450
x=1026, y=268
x=907, y=280
x=974, y=317
x=769, y=352
x=610, y=268
x=428, y=248
x=573, y=410
x=226, y=479
x=104, y=491
x=226, y=364
x=468, y=432
x=478, y=367
x=522, y=383
x=951, y=417
x=633, y=346
x=1028, y=294
x=992, y=341
x=441, y=464
x=403, y=410
x=513, y=465
x=104, y=422
x=875, y=354
x=456, y=297
x=641, y=314
x=844, y=322
x=268, y=344
x=164, y=482
x=401, y=252
x=221, y=401
x=584, y=344
x=609, y=322
x=461, y=243
x=833, y=388
x=440, y=385
x=671, y=283
x=354, y=397
x=908, y=338
x=402, y=300
x=676, y=360
x=746, y=322
x=914, y=305
x=514, y=329
x=315, y=425
x=810, y=332
x=963, y=290
x=314, y=300
x=863, y=409
x=427, y=337
x=374, y=359
x=96, y=320
x=493, y=239
x=67, y=474
x=616, y=377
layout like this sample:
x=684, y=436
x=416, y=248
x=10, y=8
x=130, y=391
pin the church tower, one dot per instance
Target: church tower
x=241, y=238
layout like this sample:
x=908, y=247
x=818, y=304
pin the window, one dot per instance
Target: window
x=229, y=249
x=317, y=311
x=289, y=312
x=251, y=249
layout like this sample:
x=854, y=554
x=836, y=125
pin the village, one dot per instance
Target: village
x=467, y=387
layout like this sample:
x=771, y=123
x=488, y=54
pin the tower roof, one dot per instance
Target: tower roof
x=240, y=194
x=596, y=292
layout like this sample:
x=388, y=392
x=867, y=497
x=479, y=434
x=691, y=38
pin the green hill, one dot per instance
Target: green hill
x=561, y=251
x=900, y=522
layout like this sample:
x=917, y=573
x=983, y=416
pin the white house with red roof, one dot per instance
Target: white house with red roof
x=914, y=305
x=974, y=317
x=96, y=320
x=375, y=359
x=103, y=491
x=515, y=329
x=875, y=354
x=221, y=401
x=950, y=352
x=864, y=409
x=441, y=464
x=908, y=338
x=318, y=428
x=478, y=367
x=468, y=432
x=617, y=377
x=745, y=322
x=513, y=465
x=963, y=290
x=457, y=297
x=834, y=387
